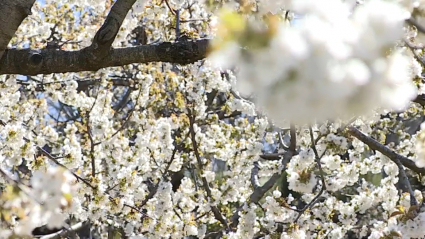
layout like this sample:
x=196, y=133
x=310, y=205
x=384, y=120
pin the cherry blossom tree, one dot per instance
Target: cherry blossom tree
x=212, y=119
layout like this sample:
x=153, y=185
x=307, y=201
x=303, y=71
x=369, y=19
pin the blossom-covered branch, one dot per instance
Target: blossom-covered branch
x=214, y=209
x=375, y=145
x=142, y=137
x=259, y=191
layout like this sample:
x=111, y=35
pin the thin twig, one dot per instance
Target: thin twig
x=49, y=156
x=54, y=159
x=169, y=7
x=155, y=188
x=216, y=211
x=129, y=115
x=177, y=24
x=293, y=133
x=89, y=133
x=322, y=176
x=412, y=49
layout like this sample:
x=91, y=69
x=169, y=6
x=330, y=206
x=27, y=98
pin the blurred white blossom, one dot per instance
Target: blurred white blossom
x=330, y=64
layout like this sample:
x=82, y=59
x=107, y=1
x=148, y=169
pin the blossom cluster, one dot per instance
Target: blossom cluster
x=327, y=64
x=44, y=202
x=161, y=150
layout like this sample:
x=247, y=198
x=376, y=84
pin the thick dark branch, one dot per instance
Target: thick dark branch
x=271, y=157
x=12, y=13
x=105, y=36
x=405, y=182
x=260, y=191
x=255, y=197
x=375, y=145
x=47, y=61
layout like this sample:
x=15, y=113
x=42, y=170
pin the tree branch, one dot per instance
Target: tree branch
x=322, y=176
x=271, y=157
x=12, y=13
x=90, y=136
x=106, y=34
x=217, y=214
x=393, y=156
x=47, y=61
x=293, y=133
x=260, y=191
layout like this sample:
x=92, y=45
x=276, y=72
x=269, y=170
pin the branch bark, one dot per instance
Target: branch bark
x=375, y=145
x=12, y=13
x=47, y=61
x=106, y=34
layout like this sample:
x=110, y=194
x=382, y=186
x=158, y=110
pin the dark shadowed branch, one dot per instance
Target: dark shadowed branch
x=398, y=159
x=12, y=13
x=47, y=61
x=393, y=156
x=106, y=34
x=98, y=55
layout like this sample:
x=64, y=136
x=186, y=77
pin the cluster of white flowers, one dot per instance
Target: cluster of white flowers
x=329, y=64
x=248, y=224
x=44, y=203
x=301, y=177
x=336, y=59
x=54, y=190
